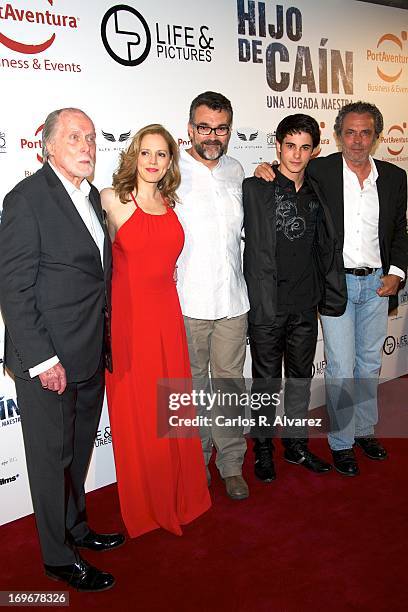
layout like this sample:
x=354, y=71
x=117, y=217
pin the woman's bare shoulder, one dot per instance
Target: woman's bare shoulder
x=109, y=199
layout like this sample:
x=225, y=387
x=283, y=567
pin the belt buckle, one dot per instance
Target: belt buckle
x=361, y=271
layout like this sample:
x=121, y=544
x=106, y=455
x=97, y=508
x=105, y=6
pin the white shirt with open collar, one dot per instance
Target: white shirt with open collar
x=210, y=281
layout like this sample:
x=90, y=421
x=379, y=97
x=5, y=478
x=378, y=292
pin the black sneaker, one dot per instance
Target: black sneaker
x=264, y=467
x=300, y=454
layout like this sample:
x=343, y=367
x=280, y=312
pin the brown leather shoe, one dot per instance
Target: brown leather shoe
x=236, y=487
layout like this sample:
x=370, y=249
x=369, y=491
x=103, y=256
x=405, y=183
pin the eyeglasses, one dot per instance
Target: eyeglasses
x=205, y=130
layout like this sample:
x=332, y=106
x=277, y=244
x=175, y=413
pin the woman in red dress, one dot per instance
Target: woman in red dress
x=161, y=480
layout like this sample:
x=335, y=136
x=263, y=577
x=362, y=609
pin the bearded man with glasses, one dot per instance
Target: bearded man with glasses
x=211, y=285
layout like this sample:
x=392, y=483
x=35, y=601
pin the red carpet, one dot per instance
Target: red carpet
x=304, y=543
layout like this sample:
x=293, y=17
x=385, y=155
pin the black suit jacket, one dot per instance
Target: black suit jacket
x=54, y=292
x=260, y=266
x=327, y=173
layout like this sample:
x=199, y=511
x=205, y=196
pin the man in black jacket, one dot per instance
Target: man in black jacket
x=55, y=266
x=291, y=266
x=368, y=203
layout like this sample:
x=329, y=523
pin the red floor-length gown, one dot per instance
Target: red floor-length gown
x=161, y=480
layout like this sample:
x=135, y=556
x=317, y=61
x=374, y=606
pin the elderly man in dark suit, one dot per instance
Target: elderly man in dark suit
x=55, y=264
x=368, y=202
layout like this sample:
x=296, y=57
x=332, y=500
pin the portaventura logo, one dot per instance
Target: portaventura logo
x=9, y=12
x=395, y=139
x=391, y=59
x=36, y=143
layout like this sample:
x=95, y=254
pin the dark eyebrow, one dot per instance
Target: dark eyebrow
x=208, y=125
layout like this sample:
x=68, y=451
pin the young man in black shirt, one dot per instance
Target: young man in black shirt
x=292, y=268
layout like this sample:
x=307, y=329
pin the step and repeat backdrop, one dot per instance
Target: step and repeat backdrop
x=143, y=62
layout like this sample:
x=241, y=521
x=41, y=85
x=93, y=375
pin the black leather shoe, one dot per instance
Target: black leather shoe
x=345, y=462
x=372, y=448
x=300, y=454
x=264, y=467
x=81, y=576
x=100, y=541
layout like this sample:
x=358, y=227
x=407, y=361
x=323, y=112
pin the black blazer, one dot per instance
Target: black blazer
x=53, y=290
x=392, y=196
x=260, y=269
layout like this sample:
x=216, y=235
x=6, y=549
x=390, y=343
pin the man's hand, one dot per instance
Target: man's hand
x=390, y=285
x=265, y=171
x=54, y=379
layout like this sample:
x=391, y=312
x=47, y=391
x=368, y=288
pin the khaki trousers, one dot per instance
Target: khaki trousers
x=219, y=347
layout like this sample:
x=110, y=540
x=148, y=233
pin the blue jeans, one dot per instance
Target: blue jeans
x=353, y=346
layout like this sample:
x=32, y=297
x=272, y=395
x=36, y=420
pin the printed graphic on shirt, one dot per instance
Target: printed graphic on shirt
x=288, y=219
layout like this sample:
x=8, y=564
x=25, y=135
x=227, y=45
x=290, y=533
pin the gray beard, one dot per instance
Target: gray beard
x=209, y=156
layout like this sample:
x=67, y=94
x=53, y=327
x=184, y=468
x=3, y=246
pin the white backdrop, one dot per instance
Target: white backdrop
x=141, y=62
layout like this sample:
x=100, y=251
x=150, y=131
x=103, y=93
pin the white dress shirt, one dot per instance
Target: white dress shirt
x=361, y=214
x=210, y=281
x=80, y=199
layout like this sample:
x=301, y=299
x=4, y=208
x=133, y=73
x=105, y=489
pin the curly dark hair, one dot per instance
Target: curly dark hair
x=124, y=179
x=360, y=108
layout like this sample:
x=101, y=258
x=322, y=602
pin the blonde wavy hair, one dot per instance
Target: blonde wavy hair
x=125, y=178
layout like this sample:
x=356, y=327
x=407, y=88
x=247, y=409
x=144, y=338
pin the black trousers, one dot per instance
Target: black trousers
x=59, y=433
x=291, y=338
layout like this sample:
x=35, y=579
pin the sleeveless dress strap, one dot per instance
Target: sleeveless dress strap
x=134, y=199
